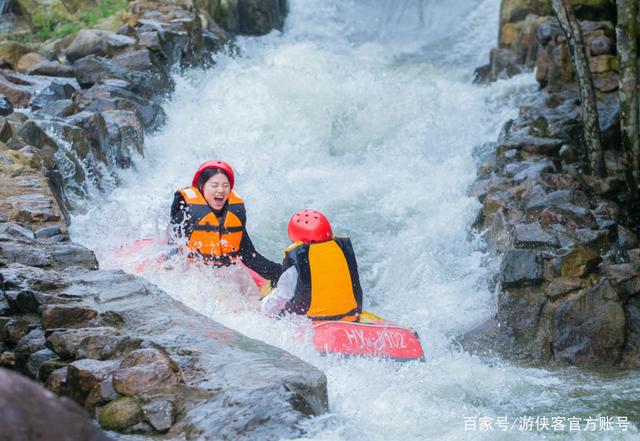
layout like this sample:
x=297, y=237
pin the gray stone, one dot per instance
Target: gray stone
x=60, y=108
x=73, y=254
x=84, y=375
x=100, y=395
x=80, y=343
x=626, y=238
x=520, y=268
x=57, y=381
x=533, y=236
x=589, y=329
x=139, y=379
x=147, y=356
x=579, y=262
x=47, y=232
x=119, y=41
x=88, y=42
x=50, y=69
x=32, y=342
x=37, y=360
x=91, y=69
x=54, y=92
x=30, y=412
x=19, y=326
x=160, y=414
x=16, y=231
x=67, y=316
x=125, y=135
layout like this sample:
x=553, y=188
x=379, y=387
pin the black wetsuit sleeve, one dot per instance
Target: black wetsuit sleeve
x=180, y=224
x=256, y=261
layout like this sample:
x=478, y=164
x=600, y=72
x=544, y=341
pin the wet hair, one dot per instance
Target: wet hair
x=207, y=174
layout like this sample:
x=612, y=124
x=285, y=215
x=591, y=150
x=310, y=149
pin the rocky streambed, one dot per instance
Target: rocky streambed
x=73, y=113
x=569, y=281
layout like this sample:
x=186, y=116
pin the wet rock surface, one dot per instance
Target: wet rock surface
x=569, y=274
x=136, y=360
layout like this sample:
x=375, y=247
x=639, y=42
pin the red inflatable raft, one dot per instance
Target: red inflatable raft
x=370, y=336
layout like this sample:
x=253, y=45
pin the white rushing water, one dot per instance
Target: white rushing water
x=364, y=110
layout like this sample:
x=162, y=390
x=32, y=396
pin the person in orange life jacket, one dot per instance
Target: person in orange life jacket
x=320, y=278
x=212, y=217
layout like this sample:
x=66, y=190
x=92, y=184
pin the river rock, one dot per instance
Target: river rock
x=533, y=236
x=36, y=361
x=54, y=92
x=519, y=314
x=80, y=343
x=589, y=329
x=28, y=344
x=139, y=379
x=18, y=95
x=29, y=60
x=16, y=231
x=88, y=42
x=147, y=356
x=12, y=51
x=47, y=232
x=31, y=412
x=161, y=414
x=100, y=395
x=50, y=69
x=520, y=268
x=73, y=254
x=57, y=381
x=19, y=326
x=48, y=367
x=125, y=135
x=84, y=375
x=120, y=414
x=91, y=69
x=67, y=316
x=579, y=262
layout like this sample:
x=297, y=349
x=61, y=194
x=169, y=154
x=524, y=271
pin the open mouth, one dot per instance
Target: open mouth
x=218, y=200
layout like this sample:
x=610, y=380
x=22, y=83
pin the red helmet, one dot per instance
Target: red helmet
x=216, y=163
x=309, y=226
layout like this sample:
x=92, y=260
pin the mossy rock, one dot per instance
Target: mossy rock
x=516, y=10
x=120, y=414
x=579, y=262
x=12, y=51
x=40, y=12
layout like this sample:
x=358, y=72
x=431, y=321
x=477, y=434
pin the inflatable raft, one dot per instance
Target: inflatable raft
x=368, y=336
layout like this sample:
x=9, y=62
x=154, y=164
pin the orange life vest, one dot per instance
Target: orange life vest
x=328, y=285
x=211, y=241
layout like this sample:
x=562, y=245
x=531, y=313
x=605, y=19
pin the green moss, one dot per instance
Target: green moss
x=46, y=25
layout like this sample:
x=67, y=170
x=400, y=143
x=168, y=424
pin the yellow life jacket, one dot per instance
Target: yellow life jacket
x=328, y=285
x=211, y=241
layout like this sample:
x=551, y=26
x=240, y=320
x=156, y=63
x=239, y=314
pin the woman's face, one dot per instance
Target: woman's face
x=216, y=191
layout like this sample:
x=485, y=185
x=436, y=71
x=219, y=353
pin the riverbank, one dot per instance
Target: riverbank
x=73, y=114
x=569, y=282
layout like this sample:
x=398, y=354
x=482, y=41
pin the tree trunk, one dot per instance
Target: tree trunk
x=573, y=34
x=627, y=46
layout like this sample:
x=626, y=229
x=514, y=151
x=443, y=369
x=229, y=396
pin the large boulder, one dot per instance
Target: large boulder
x=589, y=328
x=88, y=42
x=30, y=412
x=251, y=17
